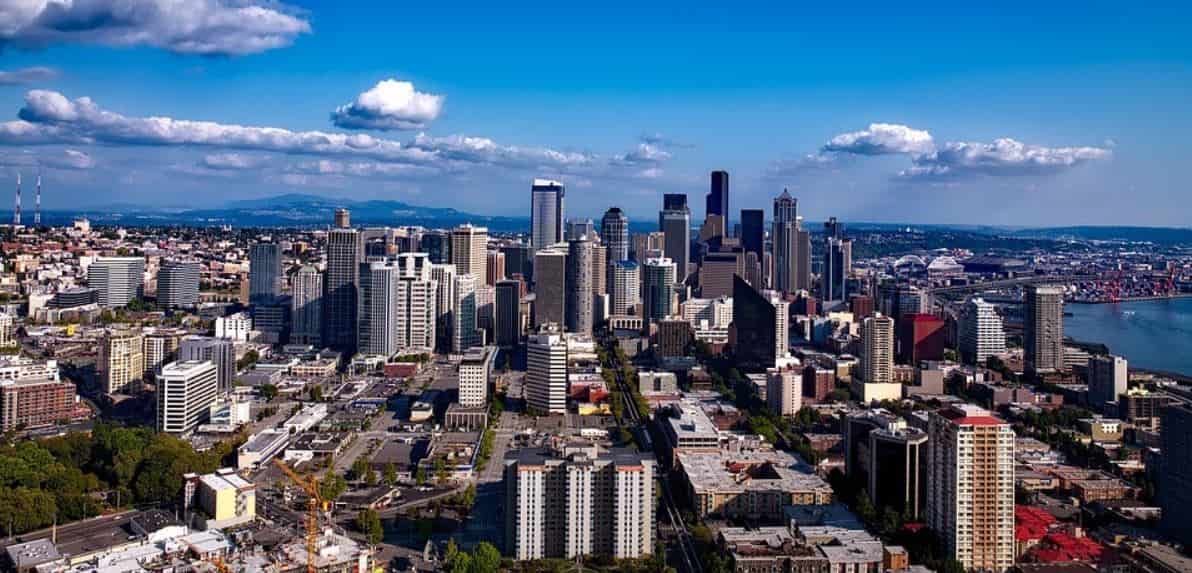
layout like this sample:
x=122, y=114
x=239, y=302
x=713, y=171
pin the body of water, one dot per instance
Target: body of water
x=1154, y=334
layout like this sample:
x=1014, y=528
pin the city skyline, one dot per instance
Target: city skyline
x=897, y=116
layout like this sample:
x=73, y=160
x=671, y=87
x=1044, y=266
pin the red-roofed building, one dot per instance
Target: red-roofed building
x=920, y=337
x=1062, y=547
x=1031, y=525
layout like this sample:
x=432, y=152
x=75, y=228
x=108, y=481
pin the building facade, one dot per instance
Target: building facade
x=185, y=393
x=1043, y=328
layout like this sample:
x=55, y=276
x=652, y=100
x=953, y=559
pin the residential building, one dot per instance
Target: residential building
x=306, y=307
x=118, y=280
x=546, y=371
x=784, y=391
x=625, y=287
x=178, y=284
x=121, y=361
x=185, y=393
x=1043, y=328
x=579, y=285
x=35, y=402
x=981, y=332
x=219, y=351
x=877, y=349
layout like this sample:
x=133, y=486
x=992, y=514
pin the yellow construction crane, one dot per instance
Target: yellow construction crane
x=314, y=502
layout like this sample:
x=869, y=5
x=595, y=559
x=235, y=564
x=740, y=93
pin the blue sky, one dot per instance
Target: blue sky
x=1009, y=113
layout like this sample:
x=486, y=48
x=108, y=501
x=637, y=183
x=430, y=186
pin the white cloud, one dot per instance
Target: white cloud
x=644, y=154
x=206, y=27
x=1003, y=157
x=27, y=75
x=391, y=104
x=229, y=161
x=64, y=158
x=808, y=162
x=882, y=139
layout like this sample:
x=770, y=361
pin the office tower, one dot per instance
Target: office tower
x=178, y=284
x=417, y=303
x=784, y=391
x=36, y=401
x=837, y=264
x=911, y=300
x=340, y=282
x=121, y=361
x=625, y=287
x=579, y=285
x=306, y=307
x=753, y=231
x=673, y=337
x=785, y=238
x=717, y=272
x=464, y=334
x=343, y=219
x=920, y=337
x=761, y=326
x=1043, y=328
x=898, y=469
x=675, y=223
x=219, y=351
x=970, y=487
x=860, y=305
x=444, y=277
x=646, y=245
x=474, y=370
x=614, y=234
x=1108, y=379
x=437, y=245
x=601, y=271
x=272, y=320
x=1175, y=479
x=517, y=260
x=264, y=272
x=486, y=298
x=469, y=247
x=576, y=228
x=803, y=259
x=494, y=269
x=508, y=319
x=833, y=229
x=546, y=371
x=658, y=279
x=185, y=393
x=160, y=349
x=584, y=504
x=546, y=213
x=119, y=280
x=981, y=333
x=877, y=349
x=717, y=312
x=717, y=203
x=550, y=284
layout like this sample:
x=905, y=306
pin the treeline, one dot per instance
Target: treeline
x=76, y=476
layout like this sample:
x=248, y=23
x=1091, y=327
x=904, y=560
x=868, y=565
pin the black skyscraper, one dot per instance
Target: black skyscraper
x=754, y=319
x=753, y=231
x=718, y=196
x=674, y=201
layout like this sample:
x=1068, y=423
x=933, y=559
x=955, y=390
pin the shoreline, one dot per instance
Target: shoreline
x=1131, y=299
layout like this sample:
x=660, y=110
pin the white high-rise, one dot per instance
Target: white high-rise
x=784, y=391
x=474, y=371
x=970, y=487
x=306, y=307
x=178, y=284
x=417, y=294
x=121, y=361
x=717, y=311
x=626, y=287
x=376, y=325
x=469, y=250
x=877, y=349
x=546, y=372
x=981, y=332
x=119, y=280
x=546, y=213
x=219, y=351
x=185, y=393
x=464, y=334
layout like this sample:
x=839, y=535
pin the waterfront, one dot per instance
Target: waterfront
x=1152, y=334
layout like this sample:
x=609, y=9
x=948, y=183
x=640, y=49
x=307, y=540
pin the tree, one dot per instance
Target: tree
x=390, y=475
x=268, y=391
x=360, y=468
x=332, y=486
x=441, y=473
x=368, y=522
x=486, y=558
x=251, y=357
x=420, y=476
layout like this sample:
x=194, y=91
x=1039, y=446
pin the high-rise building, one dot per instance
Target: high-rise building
x=920, y=337
x=575, y=228
x=306, y=307
x=343, y=219
x=970, y=487
x=341, y=281
x=647, y=245
x=417, y=303
x=494, y=267
x=469, y=248
x=464, y=334
x=1043, y=328
x=264, y=273
x=218, y=351
x=717, y=312
x=614, y=234
x=589, y=503
x=753, y=232
x=160, y=349
x=444, y=276
x=791, y=256
x=119, y=280
x=675, y=223
x=546, y=213
x=550, y=284
x=877, y=349
x=121, y=361
x=546, y=371
x=658, y=279
x=1175, y=481
x=803, y=259
x=1108, y=379
x=178, y=284
x=185, y=393
x=601, y=271
x=474, y=370
x=761, y=326
x=717, y=201
x=625, y=287
x=508, y=317
x=898, y=469
x=579, y=285
x=717, y=272
x=784, y=391
x=437, y=245
x=377, y=314
x=837, y=264
x=517, y=260
x=981, y=333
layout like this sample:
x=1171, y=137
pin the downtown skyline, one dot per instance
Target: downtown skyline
x=915, y=117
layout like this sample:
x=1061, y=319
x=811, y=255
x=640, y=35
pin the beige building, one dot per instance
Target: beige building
x=121, y=361
x=469, y=250
x=877, y=349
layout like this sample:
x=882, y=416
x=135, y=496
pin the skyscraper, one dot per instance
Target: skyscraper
x=178, y=284
x=717, y=203
x=417, y=303
x=264, y=273
x=121, y=361
x=898, y=469
x=614, y=234
x=785, y=238
x=546, y=371
x=119, y=280
x=444, y=277
x=761, y=324
x=219, y=351
x=877, y=349
x=344, y=251
x=981, y=332
x=675, y=223
x=550, y=285
x=1175, y=481
x=579, y=285
x=575, y=228
x=838, y=262
x=970, y=487
x=717, y=272
x=625, y=287
x=469, y=248
x=920, y=337
x=784, y=391
x=306, y=307
x=517, y=260
x=377, y=323
x=546, y=213
x=1043, y=328
x=437, y=245
x=508, y=317
x=753, y=232
x=185, y=393
x=343, y=219
x=658, y=279
x=494, y=267
x=1108, y=378
x=464, y=334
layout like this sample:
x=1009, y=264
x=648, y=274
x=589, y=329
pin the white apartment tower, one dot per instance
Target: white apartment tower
x=185, y=393
x=784, y=391
x=417, y=297
x=546, y=371
x=119, y=280
x=981, y=332
x=877, y=349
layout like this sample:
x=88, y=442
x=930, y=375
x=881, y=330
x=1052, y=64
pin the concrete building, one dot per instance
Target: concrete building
x=791, y=266
x=614, y=234
x=546, y=371
x=761, y=326
x=306, y=307
x=877, y=349
x=469, y=250
x=675, y=223
x=341, y=283
x=625, y=287
x=920, y=337
x=219, y=351
x=898, y=469
x=784, y=391
x=178, y=284
x=121, y=361
x=235, y=327
x=1175, y=481
x=658, y=279
x=417, y=303
x=475, y=371
x=35, y=402
x=185, y=393
x=225, y=498
x=1043, y=328
x=749, y=484
x=160, y=349
x=546, y=213
x=970, y=487
x=981, y=332
x=1108, y=379
x=717, y=270
x=579, y=287
x=550, y=284
x=264, y=272
x=581, y=504
x=494, y=267
x=119, y=280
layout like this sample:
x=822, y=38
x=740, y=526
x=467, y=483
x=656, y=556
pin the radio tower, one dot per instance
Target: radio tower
x=37, y=209
x=16, y=215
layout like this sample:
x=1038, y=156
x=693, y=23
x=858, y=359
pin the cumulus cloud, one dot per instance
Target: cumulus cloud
x=1003, y=156
x=27, y=75
x=205, y=27
x=391, y=104
x=643, y=154
x=882, y=139
x=229, y=161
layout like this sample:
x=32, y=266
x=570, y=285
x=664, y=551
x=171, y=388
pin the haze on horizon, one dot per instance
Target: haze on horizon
x=1010, y=114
